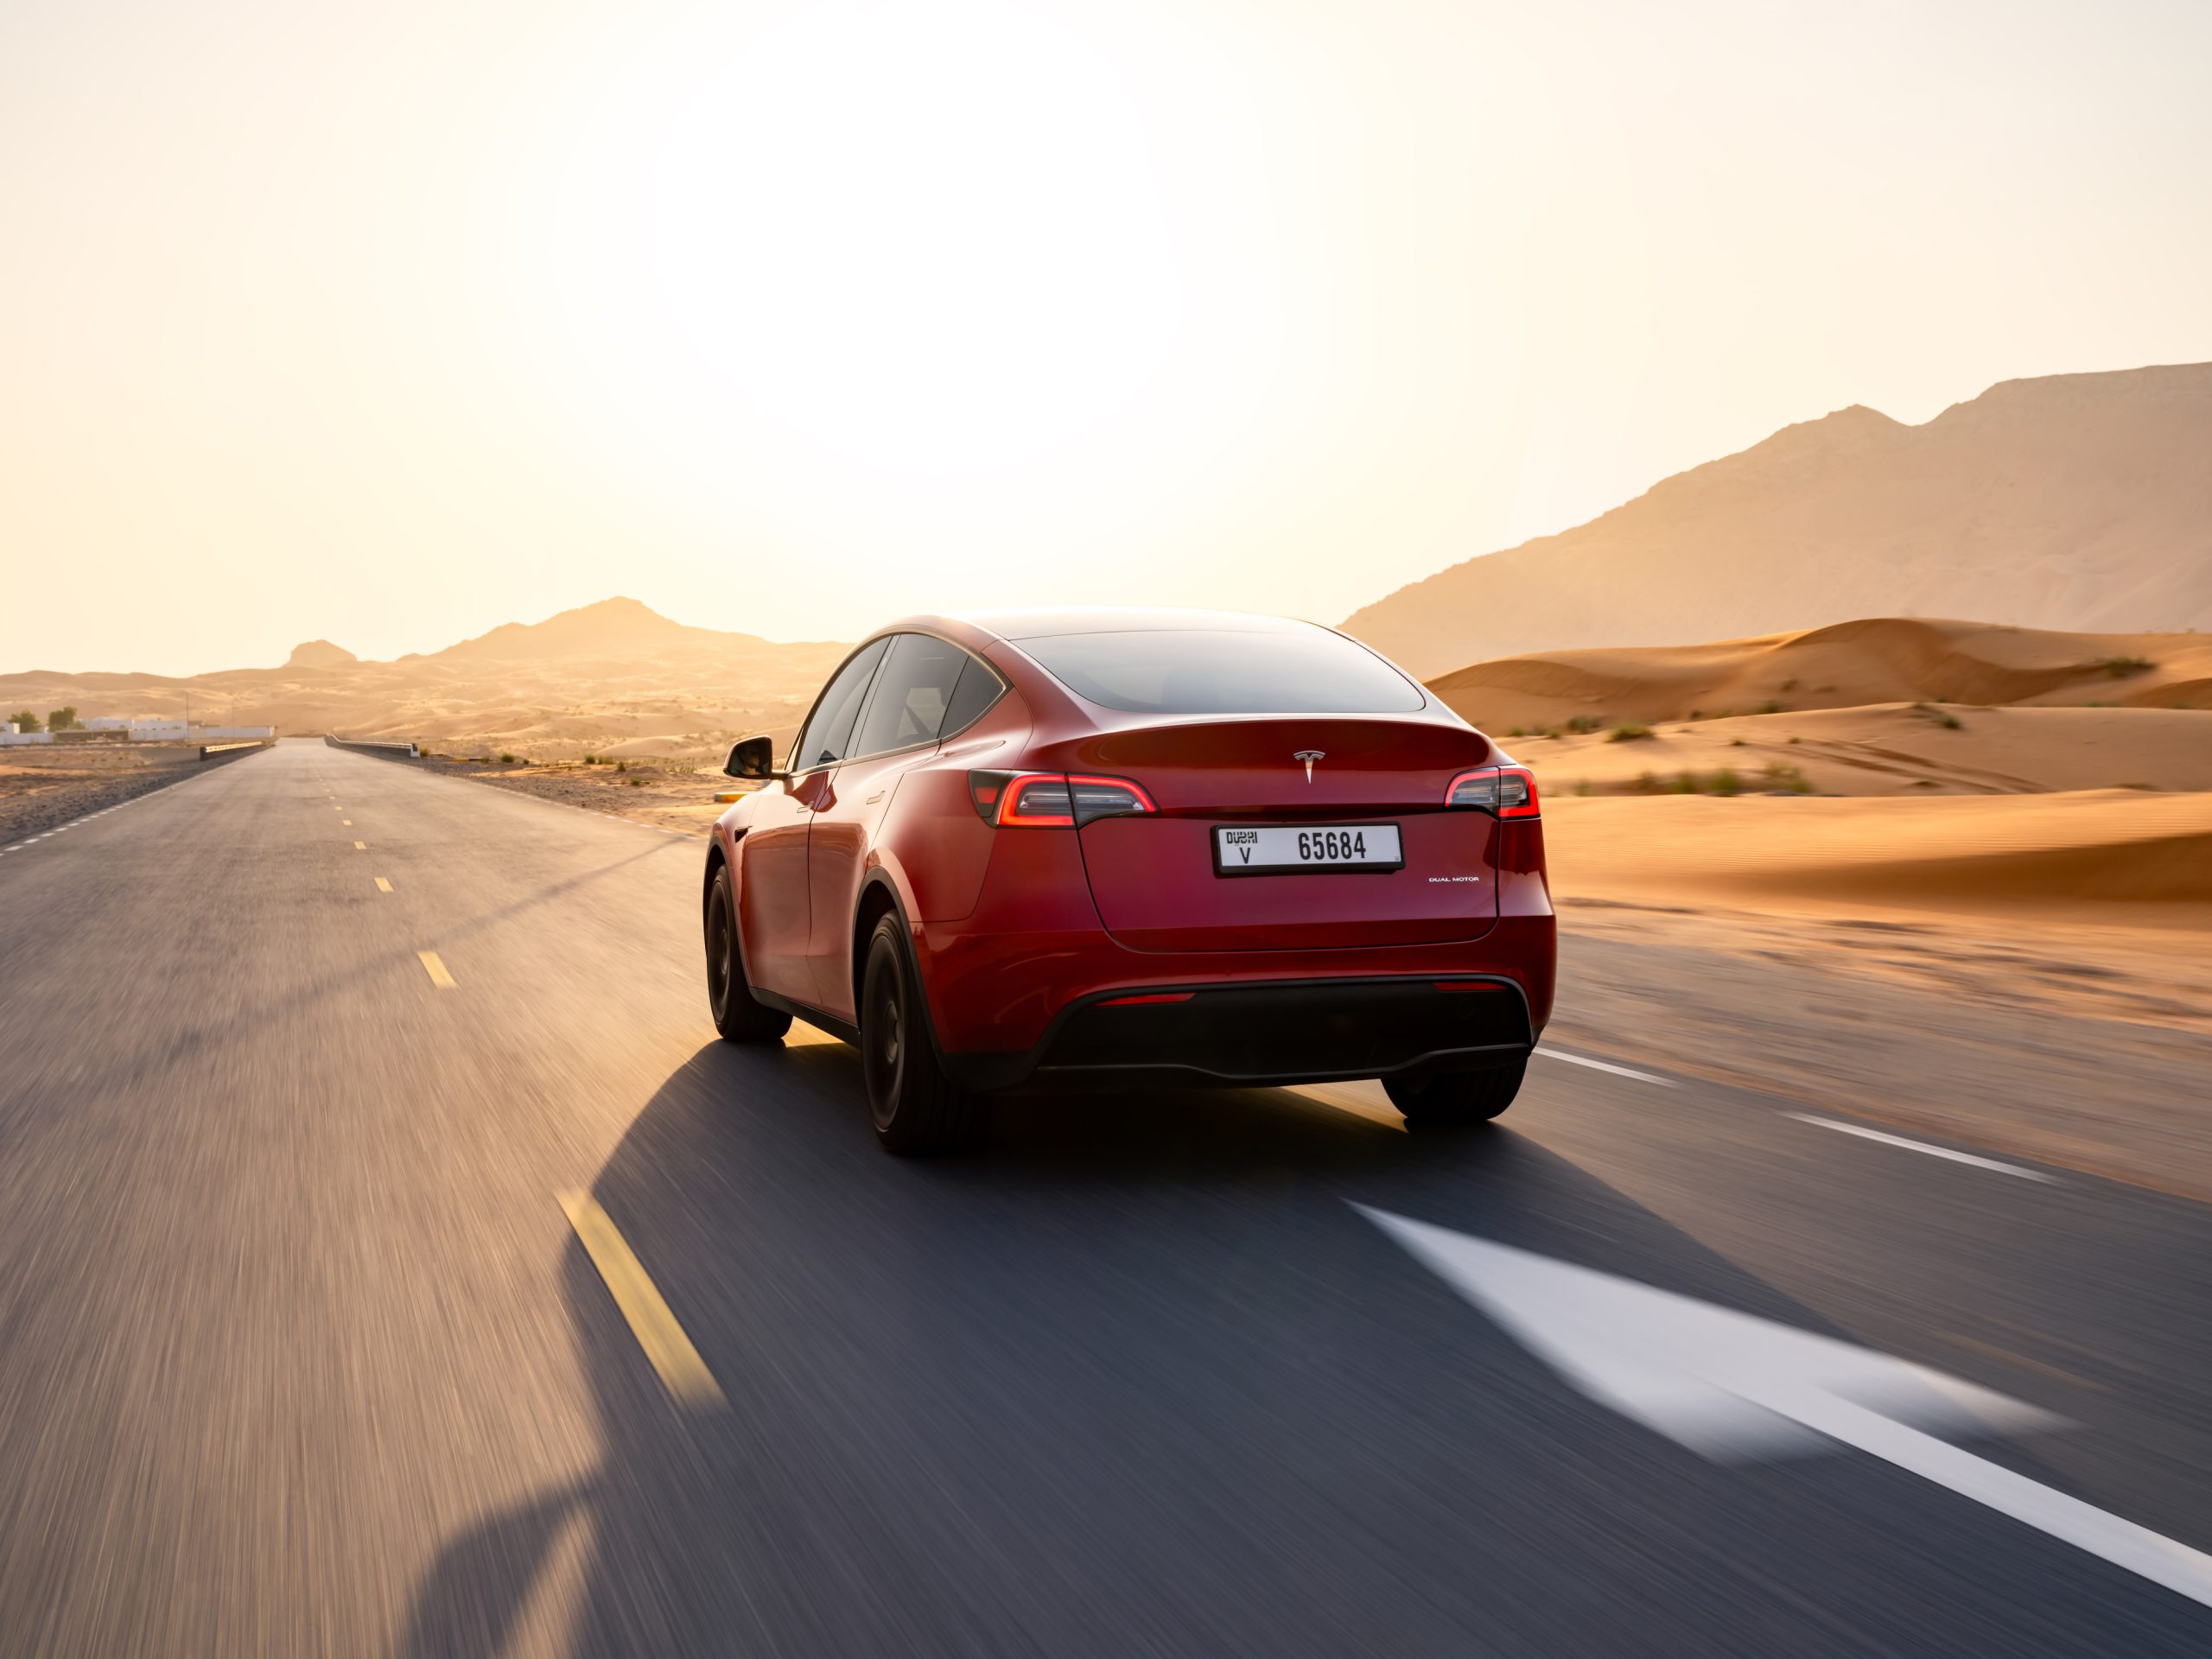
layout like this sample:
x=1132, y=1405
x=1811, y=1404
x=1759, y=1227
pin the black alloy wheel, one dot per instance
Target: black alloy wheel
x=916, y=1108
x=738, y=1016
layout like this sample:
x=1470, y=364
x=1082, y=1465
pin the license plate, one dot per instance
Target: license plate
x=1286, y=849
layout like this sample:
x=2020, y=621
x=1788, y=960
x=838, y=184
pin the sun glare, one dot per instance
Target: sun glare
x=923, y=243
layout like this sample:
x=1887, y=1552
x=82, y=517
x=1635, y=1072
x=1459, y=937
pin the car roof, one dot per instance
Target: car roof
x=1126, y=618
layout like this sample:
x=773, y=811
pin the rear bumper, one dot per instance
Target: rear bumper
x=1013, y=988
x=1252, y=1033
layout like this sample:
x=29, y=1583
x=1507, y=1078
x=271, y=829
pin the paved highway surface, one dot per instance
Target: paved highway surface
x=355, y=1300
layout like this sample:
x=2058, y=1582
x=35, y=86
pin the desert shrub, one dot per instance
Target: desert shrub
x=1646, y=783
x=1726, y=780
x=1627, y=732
x=2120, y=667
x=1697, y=714
x=1517, y=731
x=1735, y=742
x=1770, y=707
x=621, y=765
x=25, y=720
x=506, y=759
x=1797, y=740
x=1582, y=724
x=1777, y=774
x=1942, y=717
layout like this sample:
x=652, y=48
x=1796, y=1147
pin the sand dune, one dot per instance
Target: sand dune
x=1878, y=706
x=1847, y=665
x=2110, y=856
x=1889, y=749
x=2080, y=501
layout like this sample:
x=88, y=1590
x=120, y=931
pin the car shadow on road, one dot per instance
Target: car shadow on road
x=1135, y=1377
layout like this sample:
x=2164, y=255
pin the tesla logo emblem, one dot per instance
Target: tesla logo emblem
x=1309, y=756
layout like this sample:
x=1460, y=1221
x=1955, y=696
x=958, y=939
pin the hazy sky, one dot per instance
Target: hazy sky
x=392, y=322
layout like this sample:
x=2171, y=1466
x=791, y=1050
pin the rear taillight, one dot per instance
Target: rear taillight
x=1107, y=797
x=1048, y=800
x=1503, y=792
x=1038, y=801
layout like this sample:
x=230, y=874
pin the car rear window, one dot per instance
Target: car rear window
x=1205, y=671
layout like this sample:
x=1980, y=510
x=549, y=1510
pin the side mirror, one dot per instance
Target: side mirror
x=753, y=758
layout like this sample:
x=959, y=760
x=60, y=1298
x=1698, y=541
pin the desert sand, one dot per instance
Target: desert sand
x=672, y=794
x=1880, y=706
x=1849, y=665
x=2073, y=501
x=2109, y=857
x=615, y=679
x=1886, y=749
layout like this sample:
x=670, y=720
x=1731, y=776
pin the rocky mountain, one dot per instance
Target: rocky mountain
x=612, y=629
x=2080, y=502
x=320, y=653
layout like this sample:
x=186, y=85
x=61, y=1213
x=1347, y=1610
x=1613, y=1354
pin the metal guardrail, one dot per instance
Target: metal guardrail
x=208, y=749
x=391, y=747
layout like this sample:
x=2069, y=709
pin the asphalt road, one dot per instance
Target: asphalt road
x=301, y=1353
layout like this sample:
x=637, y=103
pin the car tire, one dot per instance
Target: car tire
x=738, y=1016
x=1450, y=1099
x=916, y=1108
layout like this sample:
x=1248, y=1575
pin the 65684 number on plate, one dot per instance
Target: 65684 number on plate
x=1286, y=849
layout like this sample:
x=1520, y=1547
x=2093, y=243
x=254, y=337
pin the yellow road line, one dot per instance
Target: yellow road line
x=435, y=969
x=670, y=1351
x=383, y=885
x=360, y=846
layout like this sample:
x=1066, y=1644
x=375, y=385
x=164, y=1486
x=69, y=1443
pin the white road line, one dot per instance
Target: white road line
x=2138, y=1549
x=1603, y=1065
x=1722, y=1381
x=1865, y=1133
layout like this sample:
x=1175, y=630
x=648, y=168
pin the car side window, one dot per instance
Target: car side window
x=979, y=688
x=911, y=694
x=828, y=736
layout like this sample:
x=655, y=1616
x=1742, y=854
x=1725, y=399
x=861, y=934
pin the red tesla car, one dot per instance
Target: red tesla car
x=1013, y=851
